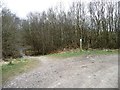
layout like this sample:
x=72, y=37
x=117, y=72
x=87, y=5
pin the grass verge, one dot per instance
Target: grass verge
x=77, y=52
x=18, y=66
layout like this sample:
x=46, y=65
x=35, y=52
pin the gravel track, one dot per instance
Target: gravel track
x=75, y=72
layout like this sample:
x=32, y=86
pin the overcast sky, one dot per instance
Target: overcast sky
x=22, y=7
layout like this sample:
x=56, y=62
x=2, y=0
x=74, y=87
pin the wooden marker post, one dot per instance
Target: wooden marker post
x=81, y=44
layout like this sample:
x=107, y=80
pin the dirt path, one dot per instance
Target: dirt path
x=75, y=72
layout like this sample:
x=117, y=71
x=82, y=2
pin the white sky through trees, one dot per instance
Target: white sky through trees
x=22, y=7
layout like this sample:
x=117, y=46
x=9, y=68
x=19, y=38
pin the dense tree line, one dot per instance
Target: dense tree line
x=9, y=34
x=97, y=24
x=0, y=30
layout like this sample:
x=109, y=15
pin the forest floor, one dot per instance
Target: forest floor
x=81, y=71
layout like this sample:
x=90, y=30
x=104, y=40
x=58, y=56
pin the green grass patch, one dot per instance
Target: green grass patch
x=77, y=52
x=17, y=67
